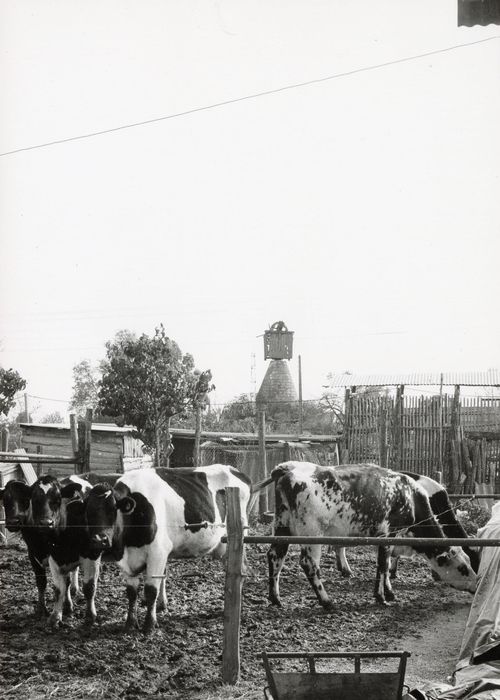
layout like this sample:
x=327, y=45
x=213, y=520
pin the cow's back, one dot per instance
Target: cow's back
x=346, y=500
x=185, y=507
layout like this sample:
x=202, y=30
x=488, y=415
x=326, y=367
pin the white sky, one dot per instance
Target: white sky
x=363, y=211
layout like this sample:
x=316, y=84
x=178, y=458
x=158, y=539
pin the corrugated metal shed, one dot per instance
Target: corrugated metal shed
x=482, y=12
x=489, y=378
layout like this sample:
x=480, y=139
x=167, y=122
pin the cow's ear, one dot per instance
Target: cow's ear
x=76, y=507
x=71, y=490
x=126, y=505
x=26, y=490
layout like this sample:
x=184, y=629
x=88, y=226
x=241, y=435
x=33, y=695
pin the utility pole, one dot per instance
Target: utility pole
x=301, y=427
x=26, y=407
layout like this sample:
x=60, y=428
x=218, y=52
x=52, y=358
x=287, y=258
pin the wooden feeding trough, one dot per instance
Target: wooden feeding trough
x=356, y=685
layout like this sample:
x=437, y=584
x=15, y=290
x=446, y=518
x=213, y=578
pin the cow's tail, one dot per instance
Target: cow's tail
x=254, y=491
x=276, y=474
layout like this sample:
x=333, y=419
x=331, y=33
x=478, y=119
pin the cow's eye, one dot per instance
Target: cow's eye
x=442, y=559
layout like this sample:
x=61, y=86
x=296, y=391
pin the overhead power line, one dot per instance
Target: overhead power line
x=252, y=96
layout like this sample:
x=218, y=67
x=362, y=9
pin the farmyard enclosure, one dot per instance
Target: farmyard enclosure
x=182, y=658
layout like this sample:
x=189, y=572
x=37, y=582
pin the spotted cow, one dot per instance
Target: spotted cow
x=153, y=514
x=445, y=515
x=356, y=500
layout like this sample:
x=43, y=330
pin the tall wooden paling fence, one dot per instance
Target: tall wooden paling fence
x=458, y=437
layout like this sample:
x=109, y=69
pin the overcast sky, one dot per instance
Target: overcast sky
x=363, y=211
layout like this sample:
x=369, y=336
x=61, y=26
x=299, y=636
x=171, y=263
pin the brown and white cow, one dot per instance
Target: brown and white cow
x=356, y=500
x=153, y=514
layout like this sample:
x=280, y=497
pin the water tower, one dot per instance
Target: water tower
x=277, y=386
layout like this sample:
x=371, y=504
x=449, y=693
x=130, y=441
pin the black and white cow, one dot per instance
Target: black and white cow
x=59, y=514
x=16, y=498
x=153, y=514
x=445, y=515
x=356, y=500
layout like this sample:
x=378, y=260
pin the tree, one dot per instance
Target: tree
x=54, y=417
x=11, y=383
x=238, y=416
x=145, y=382
x=85, y=387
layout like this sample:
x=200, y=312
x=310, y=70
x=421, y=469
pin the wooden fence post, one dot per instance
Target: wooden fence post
x=5, y=439
x=263, y=503
x=197, y=436
x=39, y=465
x=384, y=448
x=84, y=443
x=344, y=458
x=397, y=431
x=456, y=443
x=73, y=431
x=232, y=588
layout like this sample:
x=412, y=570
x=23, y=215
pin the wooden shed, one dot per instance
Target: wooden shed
x=113, y=449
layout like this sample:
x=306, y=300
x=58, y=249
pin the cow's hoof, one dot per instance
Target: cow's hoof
x=54, y=622
x=389, y=595
x=381, y=601
x=90, y=620
x=149, y=626
x=276, y=602
x=346, y=574
x=131, y=625
x=328, y=606
x=41, y=612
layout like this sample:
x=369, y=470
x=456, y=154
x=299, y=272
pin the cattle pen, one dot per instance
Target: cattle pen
x=236, y=540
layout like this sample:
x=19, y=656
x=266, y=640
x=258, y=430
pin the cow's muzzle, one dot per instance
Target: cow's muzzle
x=100, y=542
x=46, y=523
x=13, y=524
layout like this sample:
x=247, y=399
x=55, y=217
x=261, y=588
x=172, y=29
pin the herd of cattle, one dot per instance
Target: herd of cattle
x=141, y=518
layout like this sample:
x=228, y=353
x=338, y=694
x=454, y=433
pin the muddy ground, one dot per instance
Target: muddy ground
x=182, y=658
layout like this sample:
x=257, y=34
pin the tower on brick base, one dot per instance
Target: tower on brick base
x=277, y=387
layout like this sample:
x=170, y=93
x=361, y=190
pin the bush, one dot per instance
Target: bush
x=472, y=515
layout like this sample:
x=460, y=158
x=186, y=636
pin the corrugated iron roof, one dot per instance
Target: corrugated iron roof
x=96, y=427
x=489, y=378
x=482, y=12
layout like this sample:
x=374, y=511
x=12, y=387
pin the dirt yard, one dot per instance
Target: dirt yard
x=182, y=658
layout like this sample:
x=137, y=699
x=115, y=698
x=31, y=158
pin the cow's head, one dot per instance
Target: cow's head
x=16, y=502
x=102, y=506
x=453, y=567
x=49, y=501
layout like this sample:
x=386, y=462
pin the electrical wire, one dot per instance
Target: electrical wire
x=253, y=96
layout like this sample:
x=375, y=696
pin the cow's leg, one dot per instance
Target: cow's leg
x=75, y=585
x=60, y=593
x=41, y=585
x=161, y=603
x=393, y=568
x=275, y=558
x=220, y=552
x=90, y=570
x=68, y=603
x=342, y=563
x=383, y=588
x=151, y=587
x=132, y=588
x=309, y=560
